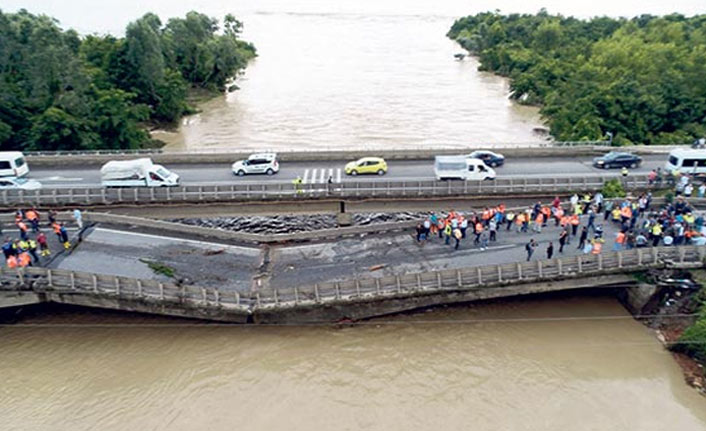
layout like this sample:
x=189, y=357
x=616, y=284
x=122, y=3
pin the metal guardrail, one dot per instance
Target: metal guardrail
x=371, y=148
x=287, y=190
x=40, y=280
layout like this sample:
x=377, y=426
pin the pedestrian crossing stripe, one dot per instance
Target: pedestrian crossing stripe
x=321, y=176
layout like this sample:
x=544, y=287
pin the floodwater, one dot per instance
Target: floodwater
x=571, y=363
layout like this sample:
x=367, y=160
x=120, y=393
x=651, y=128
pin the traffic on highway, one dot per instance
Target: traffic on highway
x=321, y=171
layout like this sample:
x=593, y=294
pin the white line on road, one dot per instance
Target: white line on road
x=323, y=173
x=57, y=179
x=306, y=175
x=338, y=175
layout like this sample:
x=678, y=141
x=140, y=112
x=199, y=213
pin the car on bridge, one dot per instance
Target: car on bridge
x=367, y=165
x=263, y=163
x=489, y=158
x=19, y=184
x=616, y=159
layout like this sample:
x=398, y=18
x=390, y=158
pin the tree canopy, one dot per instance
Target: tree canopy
x=61, y=91
x=641, y=79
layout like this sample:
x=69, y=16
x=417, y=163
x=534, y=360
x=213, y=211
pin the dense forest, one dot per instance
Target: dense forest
x=61, y=91
x=642, y=79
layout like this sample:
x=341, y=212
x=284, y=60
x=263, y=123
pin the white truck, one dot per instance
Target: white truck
x=462, y=168
x=137, y=173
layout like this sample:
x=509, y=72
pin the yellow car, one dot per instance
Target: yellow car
x=367, y=165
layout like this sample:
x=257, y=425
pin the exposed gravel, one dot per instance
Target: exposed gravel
x=295, y=223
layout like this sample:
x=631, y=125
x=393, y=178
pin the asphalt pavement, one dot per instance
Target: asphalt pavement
x=414, y=170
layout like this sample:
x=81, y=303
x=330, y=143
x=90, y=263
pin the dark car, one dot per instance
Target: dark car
x=616, y=159
x=489, y=158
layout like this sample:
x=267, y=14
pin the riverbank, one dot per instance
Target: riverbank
x=676, y=306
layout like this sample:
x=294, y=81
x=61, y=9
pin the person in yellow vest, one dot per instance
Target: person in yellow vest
x=447, y=232
x=298, y=184
x=616, y=214
x=656, y=232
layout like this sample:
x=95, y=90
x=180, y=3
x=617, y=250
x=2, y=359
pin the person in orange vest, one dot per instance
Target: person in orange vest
x=19, y=216
x=558, y=215
x=574, y=220
x=33, y=217
x=597, y=246
x=57, y=230
x=520, y=221
x=501, y=208
x=11, y=262
x=626, y=213
x=23, y=230
x=547, y=212
x=485, y=216
x=24, y=259
x=619, y=241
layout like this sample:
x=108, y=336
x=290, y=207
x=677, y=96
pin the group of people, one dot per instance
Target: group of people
x=638, y=224
x=32, y=244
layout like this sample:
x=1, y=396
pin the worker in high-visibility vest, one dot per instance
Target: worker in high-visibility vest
x=24, y=260
x=597, y=246
x=11, y=261
x=619, y=241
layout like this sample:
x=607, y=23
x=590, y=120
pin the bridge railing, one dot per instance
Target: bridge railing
x=479, y=277
x=356, y=148
x=38, y=279
x=288, y=190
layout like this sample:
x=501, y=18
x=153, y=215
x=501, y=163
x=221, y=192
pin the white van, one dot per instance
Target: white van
x=137, y=173
x=688, y=161
x=13, y=164
x=462, y=168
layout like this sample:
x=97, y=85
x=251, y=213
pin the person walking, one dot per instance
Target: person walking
x=23, y=229
x=619, y=241
x=529, y=247
x=447, y=233
x=484, y=241
x=33, y=218
x=562, y=239
x=550, y=250
x=297, y=182
x=420, y=232
x=583, y=237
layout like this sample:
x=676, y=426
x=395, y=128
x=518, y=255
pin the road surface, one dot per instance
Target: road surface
x=220, y=174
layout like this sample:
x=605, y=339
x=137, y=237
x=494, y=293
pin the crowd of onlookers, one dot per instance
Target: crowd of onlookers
x=638, y=224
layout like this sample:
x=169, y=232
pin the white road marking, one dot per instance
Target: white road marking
x=313, y=175
x=306, y=175
x=323, y=173
x=58, y=179
x=338, y=175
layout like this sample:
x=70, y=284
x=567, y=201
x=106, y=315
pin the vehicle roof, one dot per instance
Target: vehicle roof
x=10, y=154
x=487, y=152
x=618, y=153
x=688, y=152
x=371, y=159
x=263, y=156
x=451, y=159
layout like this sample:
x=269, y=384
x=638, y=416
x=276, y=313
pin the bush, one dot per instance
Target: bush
x=693, y=340
x=613, y=189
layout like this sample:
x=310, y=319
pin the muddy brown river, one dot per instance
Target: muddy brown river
x=574, y=363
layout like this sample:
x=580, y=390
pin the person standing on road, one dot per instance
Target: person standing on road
x=447, y=233
x=550, y=250
x=79, y=218
x=33, y=218
x=530, y=248
x=32, y=249
x=562, y=239
x=298, y=184
x=583, y=237
x=493, y=229
x=457, y=236
x=64, y=235
x=43, y=245
x=23, y=229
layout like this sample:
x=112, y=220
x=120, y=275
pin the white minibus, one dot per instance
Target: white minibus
x=462, y=168
x=687, y=161
x=13, y=164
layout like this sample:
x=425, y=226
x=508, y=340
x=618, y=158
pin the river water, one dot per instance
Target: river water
x=572, y=363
